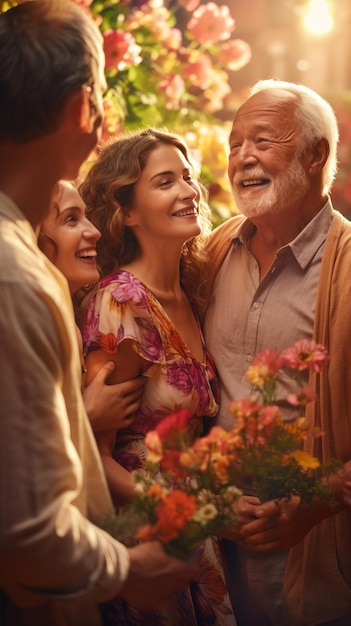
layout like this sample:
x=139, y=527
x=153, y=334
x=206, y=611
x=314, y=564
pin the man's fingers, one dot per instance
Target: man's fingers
x=105, y=371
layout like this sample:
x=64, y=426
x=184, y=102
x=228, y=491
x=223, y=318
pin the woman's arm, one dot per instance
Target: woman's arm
x=128, y=365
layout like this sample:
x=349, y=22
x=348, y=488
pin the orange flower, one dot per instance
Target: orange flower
x=170, y=463
x=220, y=466
x=146, y=533
x=155, y=491
x=173, y=514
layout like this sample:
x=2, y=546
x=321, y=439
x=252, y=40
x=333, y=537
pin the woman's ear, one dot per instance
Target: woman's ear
x=129, y=218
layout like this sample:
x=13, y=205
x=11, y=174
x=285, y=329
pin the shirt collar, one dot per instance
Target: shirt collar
x=307, y=242
x=313, y=236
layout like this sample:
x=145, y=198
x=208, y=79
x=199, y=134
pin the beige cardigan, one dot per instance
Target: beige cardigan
x=318, y=575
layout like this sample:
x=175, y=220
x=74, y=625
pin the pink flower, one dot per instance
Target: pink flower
x=186, y=378
x=174, y=39
x=303, y=397
x=263, y=373
x=268, y=415
x=173, y=88
x=305, y=354
x=245, y=407
x=211, y=23
x=217, y=91
x=198, y=71
x=173, y=425
x=235, y=53
x=120, y=50
x=127, y=288
x=271, y=359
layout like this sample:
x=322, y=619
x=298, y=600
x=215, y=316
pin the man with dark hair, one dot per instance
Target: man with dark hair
x=55, y=564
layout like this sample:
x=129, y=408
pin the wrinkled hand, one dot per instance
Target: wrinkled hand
x=279, y=524
x=154, y=577
x=110, y=407
x=246, y=508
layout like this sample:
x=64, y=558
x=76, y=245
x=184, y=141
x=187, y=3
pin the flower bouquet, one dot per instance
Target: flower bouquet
x=265, y=452
x=181, y=500
x=188, y=493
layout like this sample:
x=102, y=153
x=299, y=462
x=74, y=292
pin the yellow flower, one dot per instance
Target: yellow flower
x=220, y=466
x=305, y=460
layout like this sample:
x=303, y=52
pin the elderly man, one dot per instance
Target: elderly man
x=283, y=274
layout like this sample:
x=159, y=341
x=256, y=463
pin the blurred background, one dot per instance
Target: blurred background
x=305, y=41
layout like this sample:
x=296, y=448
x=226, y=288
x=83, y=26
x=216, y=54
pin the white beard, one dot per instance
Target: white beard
x=293, y=183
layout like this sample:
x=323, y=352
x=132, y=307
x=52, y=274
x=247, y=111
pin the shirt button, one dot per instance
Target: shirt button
x=249, y=358
x=256, y=305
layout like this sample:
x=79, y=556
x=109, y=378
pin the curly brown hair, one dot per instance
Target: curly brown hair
x=108, y=191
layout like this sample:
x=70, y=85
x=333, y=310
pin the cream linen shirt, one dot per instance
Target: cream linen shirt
x=55, y=565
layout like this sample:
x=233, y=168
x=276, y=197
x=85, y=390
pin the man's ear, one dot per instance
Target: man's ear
x=320, y=153
x=83, y=110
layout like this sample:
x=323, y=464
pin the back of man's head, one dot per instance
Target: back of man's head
x=48, y=50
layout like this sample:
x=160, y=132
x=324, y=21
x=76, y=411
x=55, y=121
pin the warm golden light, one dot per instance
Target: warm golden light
x=318, y=19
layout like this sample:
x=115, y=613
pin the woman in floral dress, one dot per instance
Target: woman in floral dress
x=142, y=195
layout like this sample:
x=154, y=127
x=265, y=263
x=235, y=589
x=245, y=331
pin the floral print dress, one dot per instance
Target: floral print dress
x=124, y=308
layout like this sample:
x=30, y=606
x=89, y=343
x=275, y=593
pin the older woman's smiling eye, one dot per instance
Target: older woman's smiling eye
x=71, y=216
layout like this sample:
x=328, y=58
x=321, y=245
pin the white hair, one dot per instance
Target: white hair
x=316, y=120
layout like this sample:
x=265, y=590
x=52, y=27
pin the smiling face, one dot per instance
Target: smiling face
x=265, y=172
x=69, y=239
x=165, y=199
